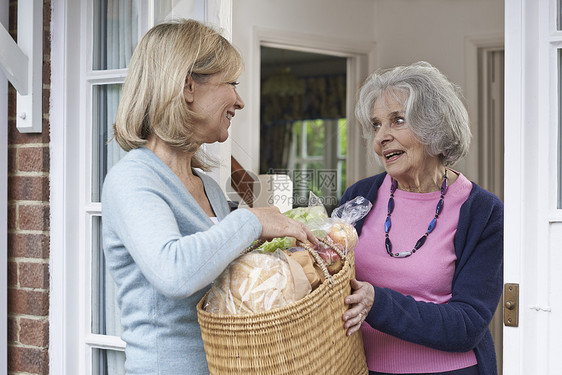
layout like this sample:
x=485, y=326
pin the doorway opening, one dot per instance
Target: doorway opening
x=491, y=149
x=303, y=122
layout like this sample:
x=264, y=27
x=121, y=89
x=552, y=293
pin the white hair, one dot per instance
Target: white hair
x=435, y=112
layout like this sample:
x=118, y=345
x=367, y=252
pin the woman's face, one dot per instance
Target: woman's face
x=217, y=101
x=401, y=154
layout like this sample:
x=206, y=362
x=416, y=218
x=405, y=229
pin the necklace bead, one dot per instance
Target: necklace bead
x=430, y=228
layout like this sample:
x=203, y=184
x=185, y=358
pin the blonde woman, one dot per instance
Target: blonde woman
x=167, y=228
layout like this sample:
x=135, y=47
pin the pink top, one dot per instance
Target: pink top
x=426, y=275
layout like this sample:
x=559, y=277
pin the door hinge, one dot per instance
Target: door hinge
x=511, y=305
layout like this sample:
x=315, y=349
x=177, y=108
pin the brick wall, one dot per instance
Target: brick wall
x=28, y=228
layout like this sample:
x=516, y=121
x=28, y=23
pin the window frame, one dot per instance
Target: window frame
x=88, y=209
x=554, y=111
x=70, y=178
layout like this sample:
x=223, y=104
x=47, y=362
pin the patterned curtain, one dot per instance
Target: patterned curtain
x=323, y=97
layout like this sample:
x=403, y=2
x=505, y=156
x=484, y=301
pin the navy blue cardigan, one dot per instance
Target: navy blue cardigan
x=462, y=324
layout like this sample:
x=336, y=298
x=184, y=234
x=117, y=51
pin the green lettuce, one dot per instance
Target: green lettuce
x=281, y=243
x=307, y=214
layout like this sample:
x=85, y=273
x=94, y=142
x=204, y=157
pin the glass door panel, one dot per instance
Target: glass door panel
x=115, y=33
x=104, y=311
x=106, y=152
x=559, y=14
x=171, y=9
x=108, y=362
x=114, y=29
x=559, y=167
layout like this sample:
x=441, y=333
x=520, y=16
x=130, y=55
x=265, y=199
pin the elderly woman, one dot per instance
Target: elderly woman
x=167, y=228
x=429, y=256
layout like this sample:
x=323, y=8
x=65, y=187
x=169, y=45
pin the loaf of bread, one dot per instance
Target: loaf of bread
x=253, y=282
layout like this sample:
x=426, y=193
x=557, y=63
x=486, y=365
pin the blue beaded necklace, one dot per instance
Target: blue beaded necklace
x=421, y=241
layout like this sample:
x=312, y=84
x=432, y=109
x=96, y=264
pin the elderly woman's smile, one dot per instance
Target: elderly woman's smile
x=392, y=155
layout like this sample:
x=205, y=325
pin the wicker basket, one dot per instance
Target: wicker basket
x=304, y=338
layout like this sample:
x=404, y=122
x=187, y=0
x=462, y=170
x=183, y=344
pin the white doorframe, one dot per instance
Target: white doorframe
x=513, y=194
x=63, y=295
x=360, y=61
x=533, y=223
x=4, y=205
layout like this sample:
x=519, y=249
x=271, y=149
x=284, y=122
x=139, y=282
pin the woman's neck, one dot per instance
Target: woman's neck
x=177, y=160
x=426, y=182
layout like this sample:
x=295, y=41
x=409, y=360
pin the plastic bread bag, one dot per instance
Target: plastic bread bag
x=255, y=282
x=339, y=229
x=353, y=210
x=315, y=212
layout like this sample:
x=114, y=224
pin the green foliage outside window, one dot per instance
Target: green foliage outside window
x=319, y=160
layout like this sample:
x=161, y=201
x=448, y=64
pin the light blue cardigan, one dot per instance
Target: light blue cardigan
x=163, y=251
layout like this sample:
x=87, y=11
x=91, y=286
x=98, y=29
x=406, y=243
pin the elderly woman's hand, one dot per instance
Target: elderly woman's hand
x=360, y=300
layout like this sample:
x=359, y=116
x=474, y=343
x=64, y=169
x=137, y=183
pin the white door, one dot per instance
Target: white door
x=91, y=45
x=533, y=184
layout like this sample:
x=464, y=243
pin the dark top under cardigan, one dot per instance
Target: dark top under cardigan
x=461, y=324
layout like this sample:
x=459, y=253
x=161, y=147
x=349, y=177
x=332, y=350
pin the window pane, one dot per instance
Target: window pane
x=342, y=177
x=115, y=34
x=560, y=128
x=297, y=137
x=559, y=14
x=108, y=362
x=342, y=132
x=315, y=136
x=169, y=9
x=314, y=182
x=105, y=312
x=104, y=155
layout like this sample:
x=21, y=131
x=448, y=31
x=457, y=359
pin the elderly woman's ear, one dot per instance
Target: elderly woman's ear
x=188, y=89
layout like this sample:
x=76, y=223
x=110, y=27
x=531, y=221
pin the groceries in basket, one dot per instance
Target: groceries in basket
x=337, y=229
x=340, y=227
x=281, y=271
x=251, y=283
x=258, y=281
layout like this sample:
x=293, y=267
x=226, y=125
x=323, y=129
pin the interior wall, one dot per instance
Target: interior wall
x=404, y=31
x=437, y=31
x=337, y=19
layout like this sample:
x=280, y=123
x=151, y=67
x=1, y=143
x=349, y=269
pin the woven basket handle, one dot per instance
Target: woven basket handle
x=253, y=246
x=328, y=242
x=317, y=258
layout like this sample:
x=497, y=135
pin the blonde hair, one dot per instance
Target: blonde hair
x=152, y=101
x=435, y=112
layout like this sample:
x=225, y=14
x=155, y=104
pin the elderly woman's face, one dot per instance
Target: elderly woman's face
x=401, y=154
